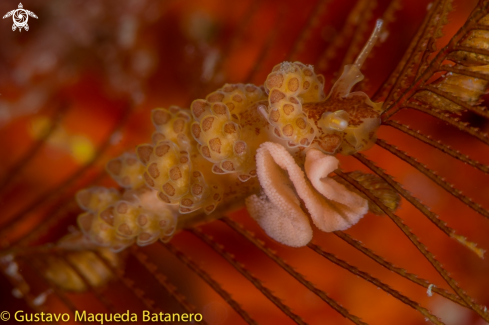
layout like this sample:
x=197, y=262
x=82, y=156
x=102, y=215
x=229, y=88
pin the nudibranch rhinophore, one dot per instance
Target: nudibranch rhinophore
x=271, y=146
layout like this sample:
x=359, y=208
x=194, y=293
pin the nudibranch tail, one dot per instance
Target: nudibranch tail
x=116, y=221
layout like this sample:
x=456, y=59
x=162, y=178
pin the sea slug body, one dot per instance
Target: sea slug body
x=241, y=139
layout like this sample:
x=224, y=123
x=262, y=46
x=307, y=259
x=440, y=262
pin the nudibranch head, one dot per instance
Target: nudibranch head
x=334, y=120
x=355, y=120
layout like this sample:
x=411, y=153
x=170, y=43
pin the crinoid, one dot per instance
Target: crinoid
x=304, y=177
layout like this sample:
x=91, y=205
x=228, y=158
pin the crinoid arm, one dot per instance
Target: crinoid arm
x=448, y=86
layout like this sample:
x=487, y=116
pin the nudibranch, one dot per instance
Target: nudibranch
x=272, y=146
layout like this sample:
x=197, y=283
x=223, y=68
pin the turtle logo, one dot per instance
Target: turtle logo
x=20, y=17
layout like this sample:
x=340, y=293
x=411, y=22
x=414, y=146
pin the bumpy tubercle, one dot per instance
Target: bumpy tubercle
x=209, y=156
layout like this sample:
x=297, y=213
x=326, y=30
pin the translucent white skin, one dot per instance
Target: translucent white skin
x=228, y=139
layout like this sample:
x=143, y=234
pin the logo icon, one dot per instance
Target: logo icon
x=20, y=17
